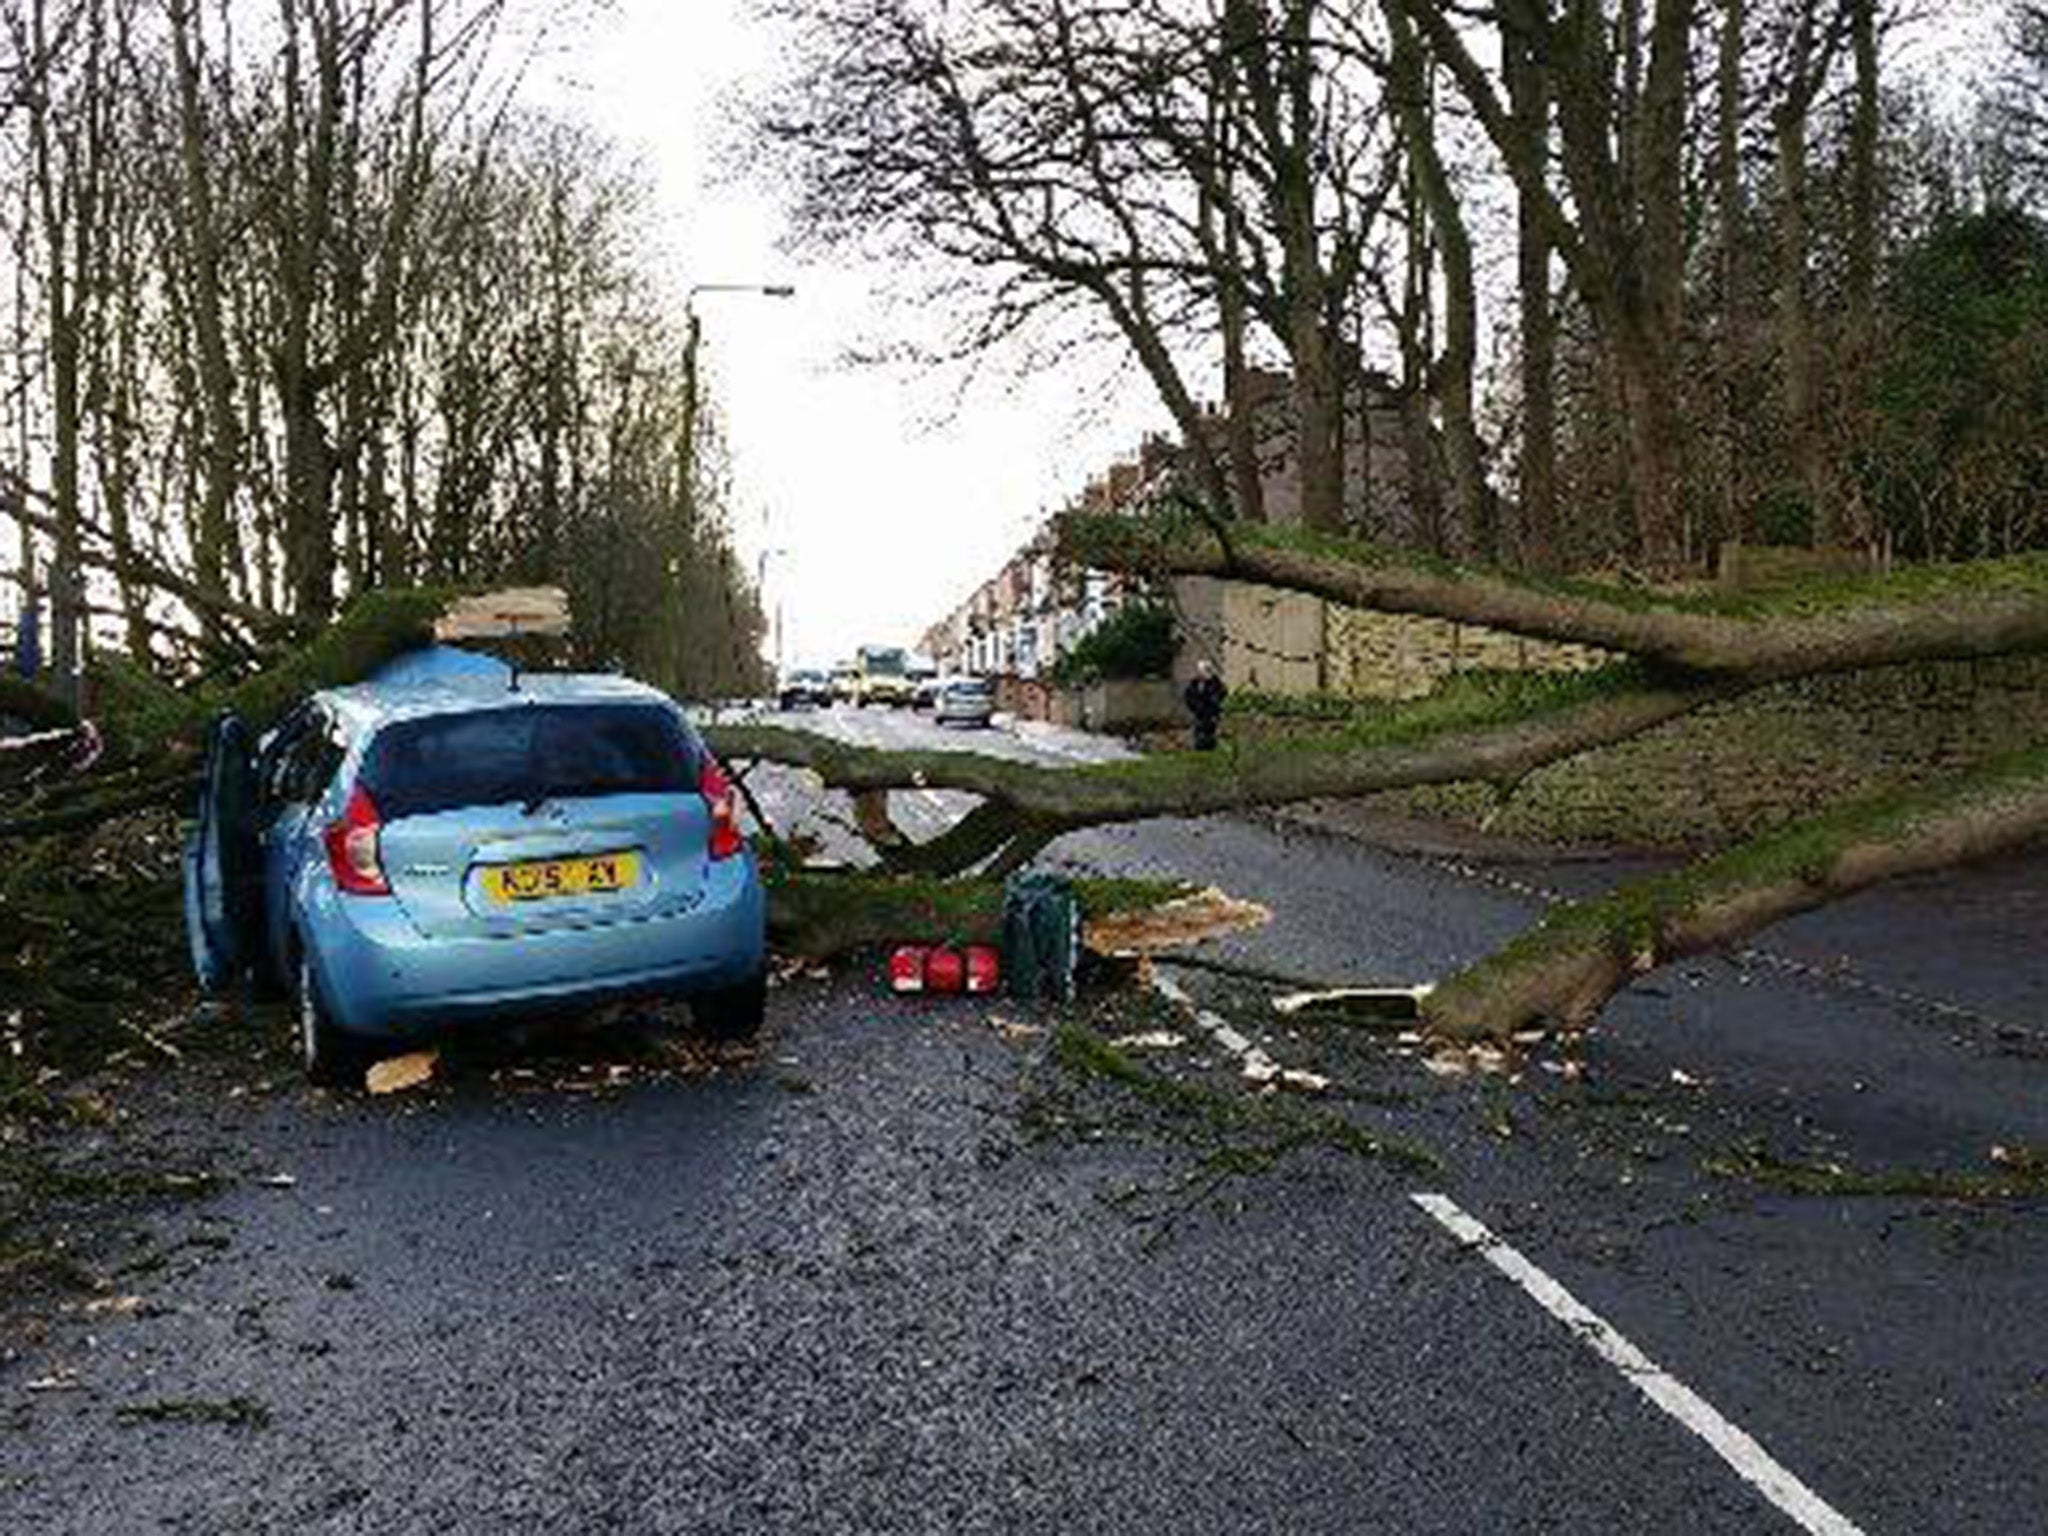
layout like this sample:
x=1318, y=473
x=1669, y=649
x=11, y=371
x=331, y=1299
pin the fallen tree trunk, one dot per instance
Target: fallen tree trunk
x=1488, y=728
x=1564, y=971
x=1929, y=613
x=1491, y=729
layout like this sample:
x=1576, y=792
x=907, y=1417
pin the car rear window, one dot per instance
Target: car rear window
x=969, y=685
x=534, y=751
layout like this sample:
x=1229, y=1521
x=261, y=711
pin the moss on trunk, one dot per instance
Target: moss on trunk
x=1567, y=967
x=818, y=915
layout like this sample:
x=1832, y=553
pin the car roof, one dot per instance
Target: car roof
x=448, y=688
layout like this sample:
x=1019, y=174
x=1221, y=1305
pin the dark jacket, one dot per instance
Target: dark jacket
x=1204, y=697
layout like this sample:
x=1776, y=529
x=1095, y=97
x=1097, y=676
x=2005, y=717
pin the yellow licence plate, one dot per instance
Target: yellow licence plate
x=547, y=879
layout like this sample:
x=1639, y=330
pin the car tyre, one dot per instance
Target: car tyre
x=733, y=1013
x=331, y=1058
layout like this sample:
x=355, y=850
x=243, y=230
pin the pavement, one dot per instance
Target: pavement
x=908, y=1270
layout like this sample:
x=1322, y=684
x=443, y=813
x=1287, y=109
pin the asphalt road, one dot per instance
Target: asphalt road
x=903, y=1273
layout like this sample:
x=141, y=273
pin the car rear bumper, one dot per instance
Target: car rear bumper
x=380, y=977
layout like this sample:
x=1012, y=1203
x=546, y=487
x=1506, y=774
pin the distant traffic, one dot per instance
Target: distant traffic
x=892, y=677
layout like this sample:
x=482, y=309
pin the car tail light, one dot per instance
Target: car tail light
x=906, y=968
x=984, y=969
x=945, y=970
x=726, y=838
x=352, y=850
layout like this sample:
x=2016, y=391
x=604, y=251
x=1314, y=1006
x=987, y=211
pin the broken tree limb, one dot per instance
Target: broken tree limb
x=155, y=726
x=132, y=565
x=176, y=789
x=989, y=829
x=871, y=814
x=41, y=711
x=1927, y=613
x=1490, y=729
x=1564, y=970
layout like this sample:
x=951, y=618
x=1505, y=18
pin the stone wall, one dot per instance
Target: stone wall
x=1733, y=770
x=1397, y=656
x=1127, y=706
x=1257, y=638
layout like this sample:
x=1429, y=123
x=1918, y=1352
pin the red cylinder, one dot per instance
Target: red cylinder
x=906, y=968
x=945, y=970
x=984, y=968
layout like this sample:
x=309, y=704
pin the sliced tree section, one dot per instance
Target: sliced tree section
x=1930, y=613
x=1564, y=970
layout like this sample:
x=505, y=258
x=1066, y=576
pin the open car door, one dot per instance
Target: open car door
x=223, y=865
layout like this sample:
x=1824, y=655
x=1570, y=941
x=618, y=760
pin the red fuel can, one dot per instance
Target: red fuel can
x=984, y=968
x=906, y=968
x=945, y=970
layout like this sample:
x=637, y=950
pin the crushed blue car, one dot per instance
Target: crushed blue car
x=454, y=844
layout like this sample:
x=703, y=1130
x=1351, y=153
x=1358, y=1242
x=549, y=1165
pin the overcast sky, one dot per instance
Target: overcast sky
x=890, y=504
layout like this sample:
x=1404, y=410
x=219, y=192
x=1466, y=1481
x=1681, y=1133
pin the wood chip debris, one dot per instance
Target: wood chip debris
x=1265, y=1072
x=1150, y=1040
x=1462, y=1061
x=1176, y=924
x=399, y=1073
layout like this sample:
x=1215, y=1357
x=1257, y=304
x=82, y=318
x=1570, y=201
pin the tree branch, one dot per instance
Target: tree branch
x=1931, y=613
x=1485, y=728
x=1565, y=969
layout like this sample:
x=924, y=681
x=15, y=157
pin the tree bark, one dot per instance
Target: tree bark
x=199, y=234
x=1729, y=210
x=1498, y=745
x=1987, y=608
x=1529, y=99
x=1795, y=322
x=1567, y=968
x=1622, y=240
x=1451, y=374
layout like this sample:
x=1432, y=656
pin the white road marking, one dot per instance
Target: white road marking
x=1751, y=1461
x=1256, y=1065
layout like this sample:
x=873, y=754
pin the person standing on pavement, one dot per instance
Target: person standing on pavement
x=1204, y=698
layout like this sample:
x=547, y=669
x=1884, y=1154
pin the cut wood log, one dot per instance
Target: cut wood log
x=504, y=615
x=1178, y=924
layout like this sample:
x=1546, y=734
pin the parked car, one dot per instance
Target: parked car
x=927, y=694
x=452, y=844
x=846, y=683
x=806, y=686
x=965, y=701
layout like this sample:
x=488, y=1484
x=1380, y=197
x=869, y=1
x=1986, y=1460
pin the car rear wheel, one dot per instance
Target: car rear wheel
x=733, y=1013
x=331, y=1058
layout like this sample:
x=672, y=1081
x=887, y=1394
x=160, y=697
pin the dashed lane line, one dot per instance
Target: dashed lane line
x=1257, y=1064
x=1752, y=1462
x=1253, y=1062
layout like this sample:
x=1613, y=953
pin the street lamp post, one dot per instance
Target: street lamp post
x=693, y=334
x=761, y=593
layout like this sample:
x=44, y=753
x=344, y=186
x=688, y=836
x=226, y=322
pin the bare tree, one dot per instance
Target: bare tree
x=1619, y=87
